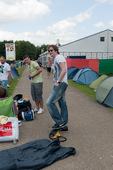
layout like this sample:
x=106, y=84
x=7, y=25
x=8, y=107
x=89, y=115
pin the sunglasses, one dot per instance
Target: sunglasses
x=50, y=50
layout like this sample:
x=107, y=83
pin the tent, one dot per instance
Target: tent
x=79, y=72
x=85, y=76
x=95, y=83
x=71, y=72
x=14, y=72
x=104, y=92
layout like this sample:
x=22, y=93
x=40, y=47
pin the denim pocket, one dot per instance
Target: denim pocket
x=62, y=87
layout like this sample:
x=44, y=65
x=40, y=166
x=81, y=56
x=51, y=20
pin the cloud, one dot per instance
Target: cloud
x=5, y=35
x=48, y=2
x=11, y=1
x=63, y=25
x=63, y=30
x=81, y=17
x=99, y=24
x=48, y=38
x=104, y=1
x=68, y=24
x=111, y=23
x=21, y=10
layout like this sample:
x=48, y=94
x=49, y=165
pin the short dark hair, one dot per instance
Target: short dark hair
x=3, y=92
x=26, y=56
x=2, y=57
x=54, y=47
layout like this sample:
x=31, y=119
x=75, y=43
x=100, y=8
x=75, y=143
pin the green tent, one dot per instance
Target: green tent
x=95, y=83
x=104, y=92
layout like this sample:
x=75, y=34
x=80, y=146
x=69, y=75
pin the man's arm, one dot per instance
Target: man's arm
x=10, y=77
x=39, y=70
x=63, y=71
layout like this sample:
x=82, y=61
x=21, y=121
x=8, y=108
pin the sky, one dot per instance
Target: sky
x=46, y=21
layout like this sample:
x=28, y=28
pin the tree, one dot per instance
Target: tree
x=44, y=47
x=25, y=48
x=38, y=51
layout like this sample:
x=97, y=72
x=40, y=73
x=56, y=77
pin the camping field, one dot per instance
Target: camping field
x=87, y=90
x=83, y=88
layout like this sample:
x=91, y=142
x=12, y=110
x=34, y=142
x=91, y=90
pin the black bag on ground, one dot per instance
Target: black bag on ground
x=22, y=110
x=18, y=97
x=24, y=105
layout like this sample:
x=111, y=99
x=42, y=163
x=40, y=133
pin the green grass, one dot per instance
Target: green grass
x=84, y=89
x=15, y=81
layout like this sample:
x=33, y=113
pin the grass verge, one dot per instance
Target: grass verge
x=15, y=81
x=84, y=89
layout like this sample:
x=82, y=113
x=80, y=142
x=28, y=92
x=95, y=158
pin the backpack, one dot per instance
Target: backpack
x=24, y=105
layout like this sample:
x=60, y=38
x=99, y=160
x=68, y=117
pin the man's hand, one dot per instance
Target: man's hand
x=10, y=82
x=32, y=76
x=57, y=84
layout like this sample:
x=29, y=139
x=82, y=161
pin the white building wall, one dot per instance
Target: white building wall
x=110, y=44
x=43, y=58
x=90, y=46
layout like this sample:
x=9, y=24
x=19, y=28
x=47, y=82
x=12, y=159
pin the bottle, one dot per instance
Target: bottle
x=29, y=77
x=1, y=70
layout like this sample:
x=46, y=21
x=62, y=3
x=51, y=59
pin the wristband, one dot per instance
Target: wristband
x=58, y=81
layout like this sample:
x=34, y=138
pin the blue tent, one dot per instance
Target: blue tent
x=14, y=72
x=71, y=72
x=85, y=76
x=79, y=72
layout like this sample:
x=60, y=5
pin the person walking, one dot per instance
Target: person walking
x=58, y=92
x=36, y=83
x=40, y=64
x=5, y=75
x=48, y=66
x=12, y=65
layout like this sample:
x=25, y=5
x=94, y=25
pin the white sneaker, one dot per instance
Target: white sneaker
x=40, y=111
x=36, y=110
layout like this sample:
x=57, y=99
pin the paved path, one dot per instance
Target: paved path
x=90, y=129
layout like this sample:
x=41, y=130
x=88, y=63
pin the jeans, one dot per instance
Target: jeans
x=4, y=83
x=58, y=95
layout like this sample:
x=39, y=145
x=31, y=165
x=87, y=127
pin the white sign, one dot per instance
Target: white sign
x=10, y=51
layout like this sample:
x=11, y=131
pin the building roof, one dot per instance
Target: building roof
x=85, y=37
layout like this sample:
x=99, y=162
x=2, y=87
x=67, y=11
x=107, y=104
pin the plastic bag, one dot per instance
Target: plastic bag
x=10, y=130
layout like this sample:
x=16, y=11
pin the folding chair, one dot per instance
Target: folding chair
x=10, y=130
x=7, y=108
